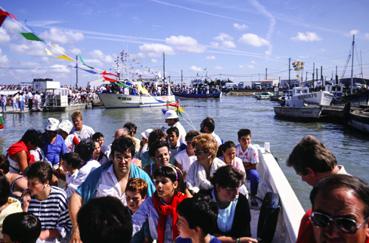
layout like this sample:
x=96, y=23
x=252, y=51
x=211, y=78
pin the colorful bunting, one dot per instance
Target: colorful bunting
x=83, y=62
x=66, y=58
x=87, y=70
x=30, y=36
x=3, y=15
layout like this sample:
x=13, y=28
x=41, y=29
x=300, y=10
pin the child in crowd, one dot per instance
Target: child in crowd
x=71, y=163
x=229, y=156
x=173, y=140
x=160, y=210
x=104, y=150
x=186, y=157
x=161, y=157
x=143, y=144
x=136, y=192
x=197, y=220
x=250, y=158
x=48, y=203
x=21, y=228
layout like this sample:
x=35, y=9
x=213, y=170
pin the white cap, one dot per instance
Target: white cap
x=145, y=134
x=66, y=126
x=52, y=124
x=170, y=114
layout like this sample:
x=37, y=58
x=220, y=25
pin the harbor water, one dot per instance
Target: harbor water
x=230, y=113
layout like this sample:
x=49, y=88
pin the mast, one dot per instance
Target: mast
x=352, y=65
x=76, y=71
x=163, y=66
x=289, y=71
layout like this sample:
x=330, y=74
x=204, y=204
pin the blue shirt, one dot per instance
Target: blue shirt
x=53, y=151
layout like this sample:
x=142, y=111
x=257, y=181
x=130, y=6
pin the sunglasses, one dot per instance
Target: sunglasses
x=344, y=224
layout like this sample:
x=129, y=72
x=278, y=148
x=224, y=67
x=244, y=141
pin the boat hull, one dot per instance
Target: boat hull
x=198, y=96
x=322, y=98
x=302, y=113
x=111, y=100
x=359, y=120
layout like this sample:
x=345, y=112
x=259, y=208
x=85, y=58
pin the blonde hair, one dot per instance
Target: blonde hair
x=76, y=114
x=206, y=142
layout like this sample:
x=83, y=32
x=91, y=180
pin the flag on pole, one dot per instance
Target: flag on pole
x=66, y=58
x=3, y=15
x=30, y=36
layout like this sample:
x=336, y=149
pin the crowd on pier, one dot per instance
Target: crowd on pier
x=66, y=184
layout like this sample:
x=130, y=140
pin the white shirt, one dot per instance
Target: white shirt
x=85, y=133
x=196, y=178
x=70, y=179
x=250, y=155
x=109, y=186
x=182, y=132
x=83, y=172
x=184, y=160
x=217, y=138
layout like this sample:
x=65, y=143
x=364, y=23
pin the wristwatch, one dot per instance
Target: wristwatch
x=238, y=240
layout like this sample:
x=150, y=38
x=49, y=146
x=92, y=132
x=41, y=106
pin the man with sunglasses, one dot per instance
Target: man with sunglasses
x=340, y=210
x=312, y=161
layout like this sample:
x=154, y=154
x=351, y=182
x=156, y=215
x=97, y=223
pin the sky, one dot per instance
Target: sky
x=243, y=40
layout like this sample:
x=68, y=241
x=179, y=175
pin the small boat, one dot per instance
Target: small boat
x=359, y=119
x=299, y=96
x=305, y=113
x=56, y=99
x=215, y=94
x=263, y=96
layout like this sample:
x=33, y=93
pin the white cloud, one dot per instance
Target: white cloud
x=353, y=32
x=218, y=67
x=306, y=36
x=3, y=58
x=4, y=37
x=31, y=48
x=155, y=49
x=58, y=68
x=239, y=26
x=12, y=26
x=76, y=51
x=224, y=40
x=254, y=40
x=185, y=43
x=366, y=36
x=153, y=60
x=196, y=68
x=251, y=66
x=210, y=57
x=104, y=58
x=62, y=36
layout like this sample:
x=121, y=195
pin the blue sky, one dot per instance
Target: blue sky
x=221, y=38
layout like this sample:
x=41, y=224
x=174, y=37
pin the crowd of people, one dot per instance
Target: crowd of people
x=67, y=185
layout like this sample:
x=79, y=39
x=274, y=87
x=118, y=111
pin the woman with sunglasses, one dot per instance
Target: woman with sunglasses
x=207, y=163
x=233, y=219
x=160, y=210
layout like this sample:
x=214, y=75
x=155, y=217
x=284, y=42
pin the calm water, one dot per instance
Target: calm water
x=231, y=113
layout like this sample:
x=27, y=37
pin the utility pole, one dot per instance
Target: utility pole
x=266, y=73
x=76, y=71
x=336, y=76
x=164, y=66
x=313, y=72
x=321, y=76
x=181, y=77
x=289, y=71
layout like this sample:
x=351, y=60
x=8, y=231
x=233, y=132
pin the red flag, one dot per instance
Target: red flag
x=109, y=79
x=3, y=15
x=107, y=73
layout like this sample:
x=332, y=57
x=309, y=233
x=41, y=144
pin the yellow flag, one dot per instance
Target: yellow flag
x=66, y=58
x=48, y=52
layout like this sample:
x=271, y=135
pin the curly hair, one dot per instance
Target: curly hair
x=207, y=143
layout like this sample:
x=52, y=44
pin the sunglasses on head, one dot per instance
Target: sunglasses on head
x=344, y=224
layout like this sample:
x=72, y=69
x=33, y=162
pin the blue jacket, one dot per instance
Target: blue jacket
x=87, y=189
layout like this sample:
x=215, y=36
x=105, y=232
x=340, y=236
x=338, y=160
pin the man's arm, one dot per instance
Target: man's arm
x=75, y=203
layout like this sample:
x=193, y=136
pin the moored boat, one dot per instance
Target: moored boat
x=216, y=94
x=262, y=96
x=359, y=119
x=113, y=100
x=298, y=113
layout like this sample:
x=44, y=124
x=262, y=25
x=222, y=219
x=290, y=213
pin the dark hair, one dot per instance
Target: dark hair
x=32, y=136
x=157, y=145
x=73, y=160
x=40, y=170
x=209, y=123
x=173, y=130
x=359, y=187
x=131, y=127
x=137, y=185
x=122, y=144
x=227, y=176
x=76, y=114
x=155, y=136
x=22, y=227
x=105, y=219
x=85, y=149
x=243, y=132
x=97, y=135
x=311, y=153
x=4, y=164
x=200, y=211
x=191, y=134
x=173, y=173
x=4, y=189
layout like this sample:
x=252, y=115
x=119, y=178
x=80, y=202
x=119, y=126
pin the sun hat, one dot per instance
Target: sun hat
x=66, y=126
x=145, y=134
x=170, y=114
x=52, y=124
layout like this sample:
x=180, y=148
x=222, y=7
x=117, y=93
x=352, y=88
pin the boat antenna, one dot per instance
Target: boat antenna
x=76, y=71
x=352, y=64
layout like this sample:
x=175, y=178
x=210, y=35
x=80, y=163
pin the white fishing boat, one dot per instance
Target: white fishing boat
x=272, y=179
x=124, y=94
x=298, y=113
x=359, y=119
x=56, y=99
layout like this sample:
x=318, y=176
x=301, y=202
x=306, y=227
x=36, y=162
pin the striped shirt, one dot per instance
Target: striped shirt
x=53, y=211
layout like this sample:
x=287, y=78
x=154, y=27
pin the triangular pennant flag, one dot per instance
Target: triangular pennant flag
x=3, y=15
x=30, y=36
x=109, y=79
x=66, y=58
x=89, y=71
x=108, y=73
x=48, y=52
x=83, y=62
